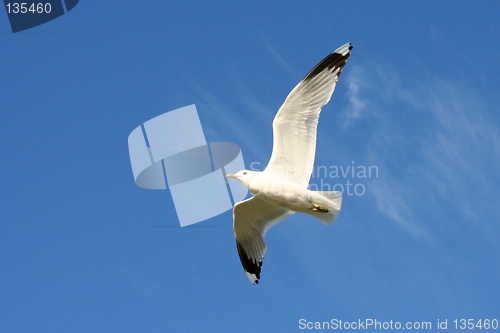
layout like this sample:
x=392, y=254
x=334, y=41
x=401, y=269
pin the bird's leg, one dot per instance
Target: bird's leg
x=319, y=208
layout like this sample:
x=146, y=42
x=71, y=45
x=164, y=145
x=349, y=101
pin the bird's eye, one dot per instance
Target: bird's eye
x=244, y=173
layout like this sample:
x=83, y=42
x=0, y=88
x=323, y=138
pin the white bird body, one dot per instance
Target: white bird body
x=283, y=193
x=282, y=188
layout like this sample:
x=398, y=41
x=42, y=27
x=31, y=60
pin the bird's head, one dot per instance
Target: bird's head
x=245, y=177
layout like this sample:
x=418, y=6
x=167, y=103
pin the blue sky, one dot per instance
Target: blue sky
x=83, y=249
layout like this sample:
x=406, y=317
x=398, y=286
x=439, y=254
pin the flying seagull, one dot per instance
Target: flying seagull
x=282, y=188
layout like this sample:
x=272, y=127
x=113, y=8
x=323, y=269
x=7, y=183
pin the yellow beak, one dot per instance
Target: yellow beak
x=230, y=175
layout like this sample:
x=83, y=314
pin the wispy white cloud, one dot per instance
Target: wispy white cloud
x=357, y=105
x=462, y=156
x=394, y=199
x=435, y=141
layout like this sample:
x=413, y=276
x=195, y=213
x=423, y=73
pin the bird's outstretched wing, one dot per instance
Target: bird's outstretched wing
x=252, y=219
x=295, y=124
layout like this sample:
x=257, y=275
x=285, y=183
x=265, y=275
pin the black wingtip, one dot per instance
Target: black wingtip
x=336, y=59
x=251, y=267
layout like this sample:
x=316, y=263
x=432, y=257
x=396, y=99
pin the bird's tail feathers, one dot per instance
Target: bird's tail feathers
x=329, y=199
